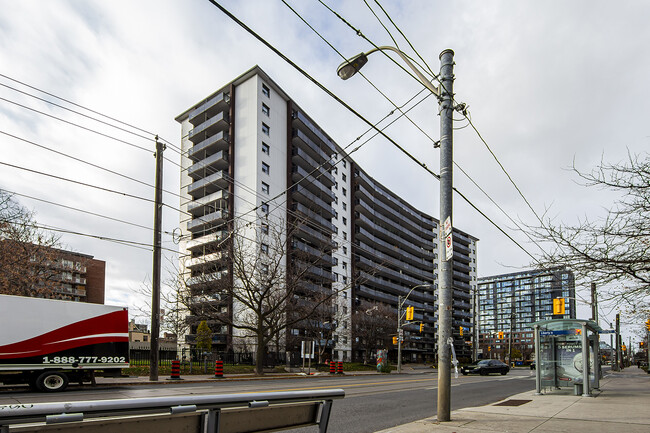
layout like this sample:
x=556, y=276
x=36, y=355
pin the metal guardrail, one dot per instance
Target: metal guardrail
x=225, y=413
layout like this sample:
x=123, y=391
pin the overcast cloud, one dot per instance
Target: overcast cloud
x=547, y=83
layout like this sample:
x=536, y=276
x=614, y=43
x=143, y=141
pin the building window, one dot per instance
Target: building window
x=265, y=228
x=265, y=208
x=336, y=185
x=344, y=163
x=265, y=188
x=344, y=177
x=265, y=168
x=345, y=295
x=345, y=221
x=345, y=206
x=345, y=236
x=345, y=265
x=266, y=110
x=264, y=248
x=264, y=268
x=345, y=250
x=266, y=91
x=266, y=149
x=345, y=192
x=266, y=129
x=336, y=215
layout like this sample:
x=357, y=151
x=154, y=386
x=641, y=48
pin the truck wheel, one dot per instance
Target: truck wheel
x=52, y=381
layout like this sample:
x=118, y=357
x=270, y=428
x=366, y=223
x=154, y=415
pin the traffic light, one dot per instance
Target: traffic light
x=641, y=344
x=461, y=331
x=394, y=340
x=647, y=324
x=558, y=306
x=500, y=335
x=409, y=313
x=421, y=327
x=623, y=348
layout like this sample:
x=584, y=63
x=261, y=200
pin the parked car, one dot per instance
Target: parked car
x=486, y=367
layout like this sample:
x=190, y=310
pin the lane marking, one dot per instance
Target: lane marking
x=352, y=385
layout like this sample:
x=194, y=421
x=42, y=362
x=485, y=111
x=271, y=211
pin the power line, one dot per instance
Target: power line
x=83, y=107
x=357, y=114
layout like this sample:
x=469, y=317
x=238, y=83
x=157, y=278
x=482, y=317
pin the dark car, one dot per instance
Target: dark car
x=485, y=367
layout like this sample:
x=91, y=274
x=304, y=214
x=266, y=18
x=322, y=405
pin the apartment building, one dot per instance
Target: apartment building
x=249, y=142
x=509, y=304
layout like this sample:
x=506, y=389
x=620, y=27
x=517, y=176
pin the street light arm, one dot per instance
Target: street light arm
x=351, y=66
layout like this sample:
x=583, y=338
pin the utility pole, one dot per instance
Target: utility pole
x=617, y=352
x=446, y=185
x=512, y=324
x=594, y=303
x=155, y=277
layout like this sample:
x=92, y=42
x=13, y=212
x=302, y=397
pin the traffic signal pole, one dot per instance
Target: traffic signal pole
x=399, y=334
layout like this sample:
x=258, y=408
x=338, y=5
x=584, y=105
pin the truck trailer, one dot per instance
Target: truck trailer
x=47, y=343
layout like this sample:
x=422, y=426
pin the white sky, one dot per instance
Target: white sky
x=547, y=83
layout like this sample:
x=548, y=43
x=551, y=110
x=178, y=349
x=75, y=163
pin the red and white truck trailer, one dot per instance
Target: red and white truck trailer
x=47, y=343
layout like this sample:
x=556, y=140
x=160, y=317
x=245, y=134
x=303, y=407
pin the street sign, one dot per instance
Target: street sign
x=447, y=226
x=449, y=247
x=607, y=331
x=401, y=333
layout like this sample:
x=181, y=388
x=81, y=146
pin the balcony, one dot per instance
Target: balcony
x=313, y=271
x=303, y=195
x=299, y=207
x=362, y=233
x=218, y=161
x=211, y=202
x=391, y=199
x=461, y=266
x=208, y=185
x=461, y=275
x=326, y=143
x=317, y=255
x=370, y=266
x=220, y=122
x=311, y=183
x=219, y=102
x=301, y=158
x=303, y=141
x=460, y=247
x=204, y=222
x=206, y=260
x=204, y=241
x=206, y=279
x=213, y=144
x=394, y=237
x=315, y=236
x=426, y=272
x=365, y=213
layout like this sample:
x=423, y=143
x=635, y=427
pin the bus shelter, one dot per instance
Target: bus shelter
x=567, y=355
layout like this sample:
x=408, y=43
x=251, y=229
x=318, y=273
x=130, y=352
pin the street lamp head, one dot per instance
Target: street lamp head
x=351, y=66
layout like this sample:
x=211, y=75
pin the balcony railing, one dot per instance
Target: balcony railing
x=210, y=145
x=218, y=161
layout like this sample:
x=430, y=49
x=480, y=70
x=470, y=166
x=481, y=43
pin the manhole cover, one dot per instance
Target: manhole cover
x=512, y=403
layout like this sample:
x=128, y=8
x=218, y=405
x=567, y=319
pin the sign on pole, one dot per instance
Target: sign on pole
x=449, y=247
x=447, y=226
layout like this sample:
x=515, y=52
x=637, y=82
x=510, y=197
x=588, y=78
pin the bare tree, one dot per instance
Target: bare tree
x=277, y=282
x=27, y=254
x=613, y=251
x=374, y=325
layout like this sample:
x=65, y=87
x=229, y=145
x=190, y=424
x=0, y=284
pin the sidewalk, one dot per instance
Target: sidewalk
x=622, y=405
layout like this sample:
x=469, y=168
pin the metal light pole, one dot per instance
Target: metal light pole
x=446, y=97
x=445, y=275
x=400, y=304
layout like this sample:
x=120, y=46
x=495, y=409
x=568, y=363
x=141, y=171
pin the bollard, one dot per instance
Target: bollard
x=332, y=367
x=339, y=370
x=176, y=370
x=218, y=369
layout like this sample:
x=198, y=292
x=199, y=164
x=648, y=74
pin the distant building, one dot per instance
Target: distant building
x=78, y=277
x=509, y=304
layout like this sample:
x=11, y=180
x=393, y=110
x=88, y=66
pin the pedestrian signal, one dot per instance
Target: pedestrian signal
x=461, y=331
x=421, y=327
x=394, y=340
x=500, y=335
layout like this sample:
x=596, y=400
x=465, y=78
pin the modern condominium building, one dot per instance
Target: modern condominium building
x=252, y=160
x=509, y=304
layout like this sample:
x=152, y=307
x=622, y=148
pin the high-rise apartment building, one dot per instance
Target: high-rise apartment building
x=509, y=304
x=252, y=160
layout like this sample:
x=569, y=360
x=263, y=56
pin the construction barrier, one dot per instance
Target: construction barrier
x=176, y=370
x=332, y=367
x=218, y=369
x=339, y=369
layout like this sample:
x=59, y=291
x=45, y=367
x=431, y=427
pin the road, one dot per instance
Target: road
x=372, y=402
